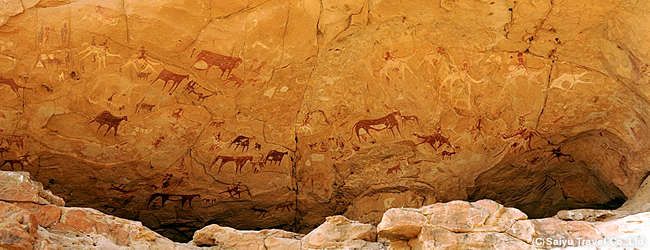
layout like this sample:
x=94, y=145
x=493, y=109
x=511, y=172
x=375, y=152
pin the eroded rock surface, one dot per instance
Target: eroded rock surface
x=276, y=114
x=487, y=225
x=484, y=224
x=35, y=223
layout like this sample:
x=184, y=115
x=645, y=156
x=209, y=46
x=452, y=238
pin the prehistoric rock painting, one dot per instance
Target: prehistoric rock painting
x=177, y=114
x=572, y=79
x=242, y=141
x=65, y=34
x=167, y=76
x=435, y=140
x=20, y=161
x=523, y=138
x=389, y=122
x=210, y=201
x=192, y=88
x=99, y=53
x=225, y=63
x=158, y=141
x=143, y=76
x=312, y=179
x=393, y=170
x=141, y=64
x=546, y=185
x=108, y=119
x=165, y=197
x=438, y=59
x=217, y=142
x=463, y=76
x=288, y=205
x=274, y=157
x=257, y=166
x=259, y=211
x=100, y=15
x=17, y=140
x=558, y=154
x=3, y=150
x=217, y=123
x=406, y=118
x=478, y=128
x=521, y=69
x=446, y=155
x=239, y=161
x=43, y=60
x=394, y=64
x=235, y=79
x=143, y=106
x=12, y=84
x=304, y=127
x=122, y=188
x=236, y=189
x=45, y=36
x=305, y=100
x=332, y=143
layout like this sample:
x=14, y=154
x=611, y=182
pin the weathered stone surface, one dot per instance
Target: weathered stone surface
x=401, y=224
x=462, y=216
x=33, y=218
x=539, y=105
x=9, y=8
x=46, y=215
x=228, y=238
x=585, y=215
x=339, y=232
x=29, y=225
x=18, y=228
x=457, y=228
x=637, y=203
x=432, y=238
x=18, y=186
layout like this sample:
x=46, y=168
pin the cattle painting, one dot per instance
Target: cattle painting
x=225, y=63
x=274, y=157
x=167, y=76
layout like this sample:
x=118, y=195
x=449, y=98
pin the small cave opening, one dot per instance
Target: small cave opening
x=544, y=193
x=545, y=180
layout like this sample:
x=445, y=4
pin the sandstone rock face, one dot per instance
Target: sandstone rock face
x=18, y=186
x=18, y=228
x=505, y=228
x=229, y=238
x=338, y=232
x=31, y=222
x=277, y=114
x=478, y=225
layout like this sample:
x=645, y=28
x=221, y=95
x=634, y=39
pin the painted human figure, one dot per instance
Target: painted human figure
x=521, y=62
x=141, y=63
x=142, y=55
x=103, y=52
x=47, y=36
x=389, y=56
x=64, y=34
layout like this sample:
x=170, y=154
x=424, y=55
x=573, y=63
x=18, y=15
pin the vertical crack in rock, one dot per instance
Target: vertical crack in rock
x=508, y=26
x=533, y=36
x=286, y=28
x=126, y=22
x=548, y=88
